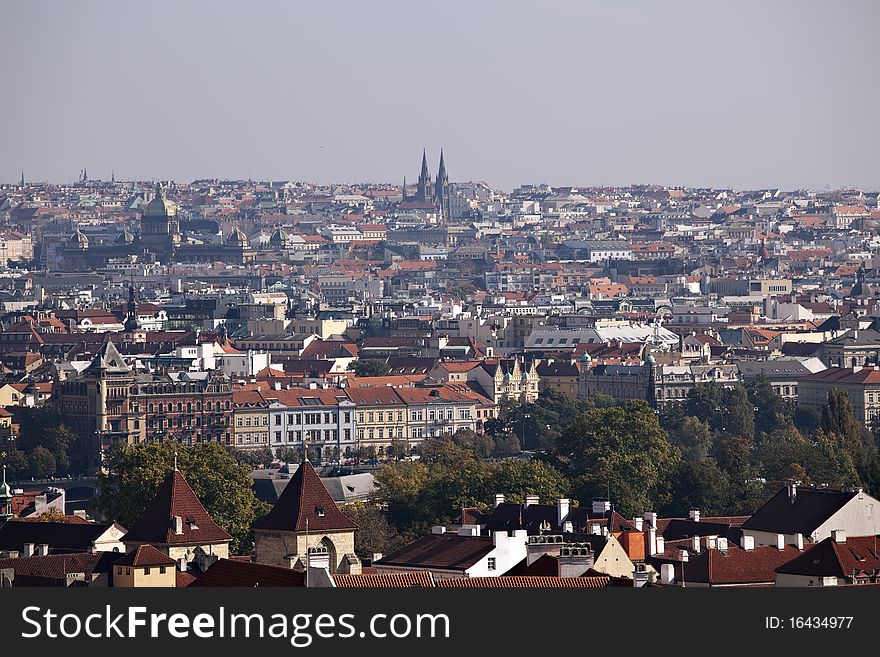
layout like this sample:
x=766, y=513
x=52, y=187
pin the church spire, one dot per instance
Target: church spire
x=424, y=189
x=22, y=177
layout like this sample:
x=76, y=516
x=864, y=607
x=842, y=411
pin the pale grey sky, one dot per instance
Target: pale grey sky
x=742, y=93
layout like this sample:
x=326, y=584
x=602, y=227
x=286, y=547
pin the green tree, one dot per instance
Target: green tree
x=375, y=534
x=369, y=367
x=785, y=454
x=136, y=472
x=253, y=457
x=518, y=478
x=692, y=437
x=622, y=451
x=704, y=402
x=699, y=484
x=738, y=413
x=41, y=463
x=42, y=427
x=480, y=444
x=771, y=407
x=18, y=464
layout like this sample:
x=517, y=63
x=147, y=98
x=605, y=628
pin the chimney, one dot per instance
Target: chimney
x=747, y=542
x=695, y=544
x=438, y=529
x=538, y=546
x=469, y=530
x=601, y=506
x=792, y=492
x=638, y=522
x=661, y=545
x=574, y=560
x=562, y=506
x=838, y=536
x=721, y=543
x=667, y=573
x=42, y=550
x=532, y=499
x=711, y=542
x=799, y=541
x=178, y=525
x=651, y=541
x=499, y=499
x=694, y=515
x=651, y=519
x=28, y=550
x=780, y=541
x=596, y=529
x=568, y=527
x=641, y=576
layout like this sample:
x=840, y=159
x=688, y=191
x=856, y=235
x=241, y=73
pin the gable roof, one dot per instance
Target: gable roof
x=66, y=536
x=440, y=552
x=232, y=572
x=828, y=558
x=176, y=498
x=145, y=555
x=811, y=508
x=305, y=499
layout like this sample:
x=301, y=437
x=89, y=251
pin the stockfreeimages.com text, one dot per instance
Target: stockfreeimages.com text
x=299, y=629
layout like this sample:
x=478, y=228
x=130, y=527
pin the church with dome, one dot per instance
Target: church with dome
x=161, y=238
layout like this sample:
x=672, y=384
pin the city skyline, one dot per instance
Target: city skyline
x=584, y=94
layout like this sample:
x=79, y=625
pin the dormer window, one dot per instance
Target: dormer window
x=319, y=511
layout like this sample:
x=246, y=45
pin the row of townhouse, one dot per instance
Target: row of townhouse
x=336, y=422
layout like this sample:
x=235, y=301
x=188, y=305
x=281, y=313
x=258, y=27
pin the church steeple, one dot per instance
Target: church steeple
x=22, y=178
x=441, y=186
x=5, y=499
x=423, y=194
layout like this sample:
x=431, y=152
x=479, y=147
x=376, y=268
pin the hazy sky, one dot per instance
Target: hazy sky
x=742, y=93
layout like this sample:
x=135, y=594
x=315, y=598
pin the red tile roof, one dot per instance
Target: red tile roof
x=523, y=582
x=175, y=498
x=145, y=555
x=229, y=572
x=305, y=499
x=416, y=578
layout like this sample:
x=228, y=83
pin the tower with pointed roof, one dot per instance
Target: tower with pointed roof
x=177, y=524
x=132, y=323
x=305, y=518
x=441, y=187
x=424, y=191
x=5, y=499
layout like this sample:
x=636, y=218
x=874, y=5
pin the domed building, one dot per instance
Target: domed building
x=237, y=238
x=279, y=238
x=125, y=237
x=78, y=240
x=160, y=230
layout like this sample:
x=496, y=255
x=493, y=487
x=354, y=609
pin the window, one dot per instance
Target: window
x=162, y=570
x=147, y=570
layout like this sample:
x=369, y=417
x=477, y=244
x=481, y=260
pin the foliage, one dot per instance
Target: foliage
x=724, y=409
x=449, y=477
x=41, y=463
x=699, y=484
x=375, y=534
x=692, y=437
x=621, y=452
x=137, y=471
x=42, y=427
x=253, y=457
x=369, y=367
x=51, y=515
